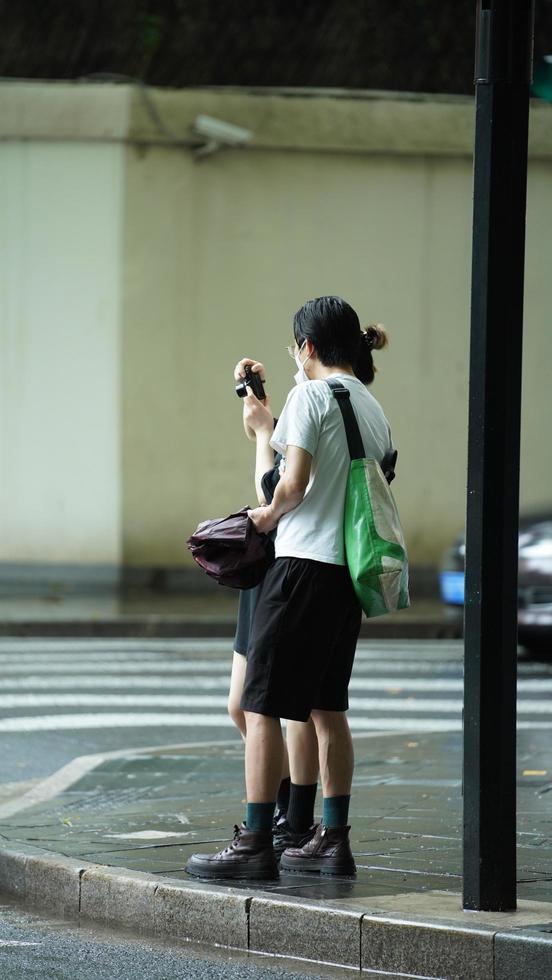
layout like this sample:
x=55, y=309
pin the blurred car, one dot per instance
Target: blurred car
x=534, y=579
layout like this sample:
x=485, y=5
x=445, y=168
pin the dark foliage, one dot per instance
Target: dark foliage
x=415, y=45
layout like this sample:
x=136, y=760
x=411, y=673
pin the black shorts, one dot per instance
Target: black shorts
x=246, y=612
x=303, y=640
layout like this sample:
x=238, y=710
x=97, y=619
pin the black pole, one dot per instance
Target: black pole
x=503, y=73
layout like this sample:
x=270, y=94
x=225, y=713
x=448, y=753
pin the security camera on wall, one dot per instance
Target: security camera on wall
x=217, y=133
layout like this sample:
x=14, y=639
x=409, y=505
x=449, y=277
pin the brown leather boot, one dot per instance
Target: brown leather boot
x=250, y=855
x=328, y=852
x=284, y=837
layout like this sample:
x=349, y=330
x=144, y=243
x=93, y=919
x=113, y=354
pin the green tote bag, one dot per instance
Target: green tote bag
x=374, y=541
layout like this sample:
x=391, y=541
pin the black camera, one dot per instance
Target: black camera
x=252, y=380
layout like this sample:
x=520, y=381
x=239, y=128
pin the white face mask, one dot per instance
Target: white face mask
x=301, y=375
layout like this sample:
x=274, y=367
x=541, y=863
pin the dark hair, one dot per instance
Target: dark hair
x=333, y=328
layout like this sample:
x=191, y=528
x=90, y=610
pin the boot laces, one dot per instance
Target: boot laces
x=235, y=838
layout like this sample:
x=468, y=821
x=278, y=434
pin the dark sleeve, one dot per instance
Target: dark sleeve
x=388, y=465
x=269, y=480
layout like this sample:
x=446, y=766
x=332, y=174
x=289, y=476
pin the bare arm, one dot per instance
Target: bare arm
x=264, y=461
x=239, y=375
x=289, y=492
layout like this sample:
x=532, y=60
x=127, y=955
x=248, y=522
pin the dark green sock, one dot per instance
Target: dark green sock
x=335, y=811
x=258, y=816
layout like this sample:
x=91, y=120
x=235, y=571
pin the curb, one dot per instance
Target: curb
x=456, y=946
x=166, y=627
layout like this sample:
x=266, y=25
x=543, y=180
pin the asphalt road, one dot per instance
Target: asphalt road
x=32, y=947
x=64, y=698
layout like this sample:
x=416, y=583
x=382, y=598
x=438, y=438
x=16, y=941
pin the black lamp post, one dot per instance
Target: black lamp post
x=503, y=75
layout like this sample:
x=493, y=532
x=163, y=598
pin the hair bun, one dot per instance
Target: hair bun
x=375, y=336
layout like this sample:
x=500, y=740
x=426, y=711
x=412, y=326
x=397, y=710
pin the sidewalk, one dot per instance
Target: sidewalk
x=107, y=838
x=209, y=614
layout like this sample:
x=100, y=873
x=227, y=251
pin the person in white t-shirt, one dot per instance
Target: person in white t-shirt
x=307, y=620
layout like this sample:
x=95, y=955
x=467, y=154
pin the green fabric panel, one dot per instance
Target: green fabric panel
x=379, y=589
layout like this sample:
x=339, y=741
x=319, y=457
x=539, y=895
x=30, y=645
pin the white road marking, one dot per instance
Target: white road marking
x=145, y=667
x=17, y=942
x=118, y=700
x=80, y=682
x=73, y=771
x=52, y=723
x=83, y=666
x=437, y=704
x=540, y=686
x=148, y=834
x=193, y=701
x=150, y=720
x=197, y=682
x=391, y=703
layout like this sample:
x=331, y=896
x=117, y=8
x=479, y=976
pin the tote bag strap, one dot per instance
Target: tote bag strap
x=352, y=431
x=354, y=438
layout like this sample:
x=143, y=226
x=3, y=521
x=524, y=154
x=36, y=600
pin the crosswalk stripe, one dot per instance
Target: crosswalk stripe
x=205, y=666
x=389, y=684
x=392, y=703
x=109, y=720
x=75, y=685
x=154, y=720
x=120, y=700
x=147, y=666
x=93, y=681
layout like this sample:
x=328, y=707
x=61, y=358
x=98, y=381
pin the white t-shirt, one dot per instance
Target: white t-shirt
x=311, y=419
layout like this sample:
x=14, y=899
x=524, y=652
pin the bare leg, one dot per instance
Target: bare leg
x=237, y=677
x=285, y=761
x=264, y=752
x=335, y=752
x=303, y=752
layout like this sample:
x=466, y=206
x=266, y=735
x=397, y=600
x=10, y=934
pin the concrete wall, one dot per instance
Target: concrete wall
x=59, y=352
x=248, y=239
x=198, y=262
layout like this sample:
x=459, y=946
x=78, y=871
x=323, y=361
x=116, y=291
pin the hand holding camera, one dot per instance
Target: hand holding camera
x=257, y=416
x=250, y=378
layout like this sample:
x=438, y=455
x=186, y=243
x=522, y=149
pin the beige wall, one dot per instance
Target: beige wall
x=536, y=452
x=59, y=352
x=248, y=238
x=366, y=196
x=245, y=239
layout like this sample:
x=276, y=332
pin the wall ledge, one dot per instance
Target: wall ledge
x=300, y=120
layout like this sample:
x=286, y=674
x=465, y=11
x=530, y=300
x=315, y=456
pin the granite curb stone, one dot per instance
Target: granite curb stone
x=42, y=879
x=434, y=949
x=304, y=930
x=201, y=914
x=54, y=882
x=12, y=868
x=118, y=896
x=523, y=954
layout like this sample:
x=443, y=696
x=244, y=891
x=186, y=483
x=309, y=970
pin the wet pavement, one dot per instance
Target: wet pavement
x=211, y=613
x=55, y=948
x=148, y=810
